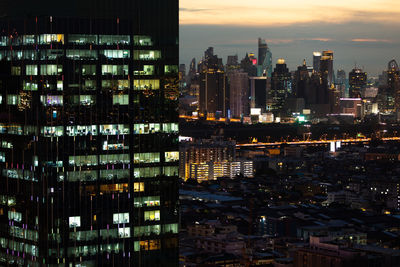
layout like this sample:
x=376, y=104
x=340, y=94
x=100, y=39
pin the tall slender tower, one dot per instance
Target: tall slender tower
x=264, y=67
x=326, y=66
x=316, y=61
x=89, y=133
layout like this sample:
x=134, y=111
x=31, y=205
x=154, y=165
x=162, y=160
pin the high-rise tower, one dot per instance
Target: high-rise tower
x=89, y=133
x=264, y=67
x=357, y=83
x=326, y=66
x=316, y=61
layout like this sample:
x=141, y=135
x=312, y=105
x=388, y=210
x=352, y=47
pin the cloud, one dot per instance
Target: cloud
x=183, y=9
x=371, y=40
x=287, y=12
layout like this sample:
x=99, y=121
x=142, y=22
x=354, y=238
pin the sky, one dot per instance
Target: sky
x=362, y=33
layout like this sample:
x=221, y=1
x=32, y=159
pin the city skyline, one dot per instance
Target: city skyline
x=353, y=31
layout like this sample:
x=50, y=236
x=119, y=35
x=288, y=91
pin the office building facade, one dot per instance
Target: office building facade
x=89, y=133
x=357, y=83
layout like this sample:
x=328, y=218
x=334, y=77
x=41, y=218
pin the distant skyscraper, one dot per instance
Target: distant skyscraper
x=357, y=83
x=264, y=67
x=239, y=92
x=232, y=60
x=214, y=93
x=192, y=69
x=326, y=66
x=316, y=61
x=209, y=53
x=89, y=133
x=258, y=92
x=281, y=85
x=341, y=82
x=301, y=82
x=393, y=82
x=182, y=69
x=247, y=65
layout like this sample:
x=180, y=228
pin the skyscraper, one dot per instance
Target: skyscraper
x=264, y=67
x=316, y=61
x=341, y=82
x=393, y=82
x=238, y=92
x=357, y=83
x=213, y=94
x=258, y=93
x=281, y=85
x=89, y=133
x=326, y=66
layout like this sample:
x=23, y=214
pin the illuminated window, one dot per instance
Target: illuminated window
x=124, y=232
x=17, y=54
x=114, y=129
x=149, y=201
x=146, y=157
x=146, y=128
x=171, y=170
x=60, y=85
x=51, y=54
x=89, y=85
x=51, y=100
x=49, y=131
x=15, y=70
x=30, y=86
x=147, y=172
x=14, y=216
x=51, y=38
x=142, y=40
x=114, y=159
x=114, y=174
x=82, y=54
x=13, y=99
x=75, y=221
x=116, y=53
x=138, y=187
x=146, y=70
x=114, y=69
x=171, y=69
x=3, y=40
x=79, y=176
x=82, y=39
x=115, y=84
x=29, y=39
x=150, y=244
x=2, y=157
x=114, y=39
x=152, y=215
x=147, y=230
x=87, y=100
x=171, y=156
x=78, y=130
x=170, y=128
x=120, y=99
x=146, y=84
x=171, y=228
x=120, y=218
x=30, y=54
x=114, y=188
x=50, y=69
x=88, y=70
x=89, y=160
x=146, y=54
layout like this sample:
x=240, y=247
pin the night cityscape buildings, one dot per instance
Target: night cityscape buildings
x=89, y=133
x=357, y=83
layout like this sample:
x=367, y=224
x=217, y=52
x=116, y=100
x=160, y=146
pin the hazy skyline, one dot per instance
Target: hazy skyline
x=365, y=33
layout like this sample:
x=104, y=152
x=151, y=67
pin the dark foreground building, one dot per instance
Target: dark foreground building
x=88, y=133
